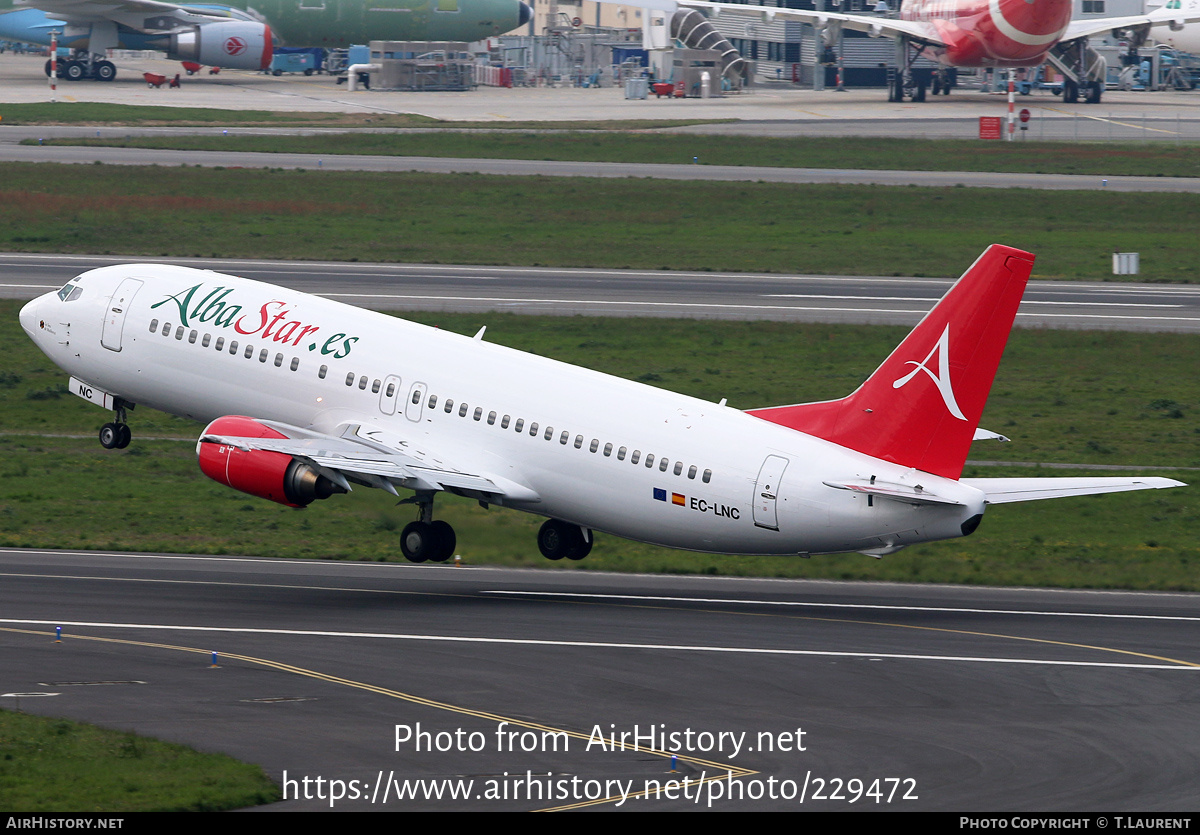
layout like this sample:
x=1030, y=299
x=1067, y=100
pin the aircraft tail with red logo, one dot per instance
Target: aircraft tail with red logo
x=921, y=407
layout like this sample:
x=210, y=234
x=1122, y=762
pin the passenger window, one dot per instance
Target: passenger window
x=607, y=450
x=233, y=346
x=663, y=463
x=323, y=371
x=375, y=386
x=519, y=425
x=433, y=401
x=391, y=391
x=362, y=383
x=249, y=352
x=678, y=467
x=263, y=354
x=206, y=340
x=416, y=398
x=153, y=325
x=621, y=454
x=278, y=360
x=478, y=412
x=563, y=438
x=504, y=422
x=350, y=379
x=220, y=343
x=166, y=329
x=295, y=363
x=449, y=406
x=649, y=459
x=707, y=476
x=533, y=429
x=692, y=471
x=549, y=433
x=633, y=459
x=462, y=409
x=491, y=418
x=179, y=332
x=192, y=338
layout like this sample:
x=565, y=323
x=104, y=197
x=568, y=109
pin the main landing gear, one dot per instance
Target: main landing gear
x=81, y=65
x=426, y=540
x=557, y=539
x=116, y=435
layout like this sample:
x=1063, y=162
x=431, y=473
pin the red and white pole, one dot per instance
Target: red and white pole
x=53, y=64
x=1012, y=127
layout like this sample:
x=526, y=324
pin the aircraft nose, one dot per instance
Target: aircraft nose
x=30, y=318
x=525, y=14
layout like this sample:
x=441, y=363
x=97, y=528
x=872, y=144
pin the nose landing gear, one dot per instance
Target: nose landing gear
x=116, y=435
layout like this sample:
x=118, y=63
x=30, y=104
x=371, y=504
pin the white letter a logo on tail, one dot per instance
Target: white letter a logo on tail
x=941, y=378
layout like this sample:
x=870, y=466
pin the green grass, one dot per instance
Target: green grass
x=55, y=765
x=1106, y=159
x=99, y=113
x=582, y=222
x=1063, y=396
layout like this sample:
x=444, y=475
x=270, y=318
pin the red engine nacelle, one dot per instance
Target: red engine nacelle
x=269, y=475
x=233, y=44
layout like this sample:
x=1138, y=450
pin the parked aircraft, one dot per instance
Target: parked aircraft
x=236, y=38
x=967, y=33
x=1185, y=38
x=305, y=397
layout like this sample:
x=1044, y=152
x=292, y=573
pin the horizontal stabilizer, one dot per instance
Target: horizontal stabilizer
x=898, y=492
x=1005, y=490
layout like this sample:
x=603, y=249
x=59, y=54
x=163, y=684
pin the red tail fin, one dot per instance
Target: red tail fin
x=921, y=407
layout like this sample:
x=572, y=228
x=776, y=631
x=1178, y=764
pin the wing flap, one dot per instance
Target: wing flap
x=914, y=494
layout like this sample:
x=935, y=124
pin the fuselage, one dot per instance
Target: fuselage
x=597, y=451
x=328, y=23
x=991, y=33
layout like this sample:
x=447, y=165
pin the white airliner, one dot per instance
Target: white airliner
x=306, y=396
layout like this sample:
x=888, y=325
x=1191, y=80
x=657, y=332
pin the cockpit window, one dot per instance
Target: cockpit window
x=70, y=292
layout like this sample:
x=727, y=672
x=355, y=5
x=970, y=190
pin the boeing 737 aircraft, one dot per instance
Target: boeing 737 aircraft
x=305, y=397
x=228, y=36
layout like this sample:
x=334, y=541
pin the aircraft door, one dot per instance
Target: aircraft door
x=416, y=401
x=114, y=314
x=765, y=491
x=389, y=394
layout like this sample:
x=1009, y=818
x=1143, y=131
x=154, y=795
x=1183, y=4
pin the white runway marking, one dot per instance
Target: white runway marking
x=160, y=627
x=806, y=604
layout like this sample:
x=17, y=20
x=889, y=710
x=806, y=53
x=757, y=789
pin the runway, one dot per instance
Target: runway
x=82, y=155
x=795, y=298
x=943, y=698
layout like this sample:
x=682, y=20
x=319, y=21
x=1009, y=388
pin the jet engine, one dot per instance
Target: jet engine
x=268, y=475
x=232, y=44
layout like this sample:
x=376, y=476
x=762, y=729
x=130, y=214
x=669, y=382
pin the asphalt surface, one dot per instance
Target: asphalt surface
x=953, y=698
x=795, y=298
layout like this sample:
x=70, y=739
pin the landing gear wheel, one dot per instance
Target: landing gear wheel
x=418, y=541
x=558, y=539
x=1095, y=90
x=110, y=436
x=935, y=85
x=1070, y=92
x=124, y=435
x=74, y=71
x=919, y=95
x=445, y=541
x=105, y=71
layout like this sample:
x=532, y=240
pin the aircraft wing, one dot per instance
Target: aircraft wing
x=1175, y=18
x=377, y=458
x=1005, y=490
x=111, y=9
x=875, y=26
